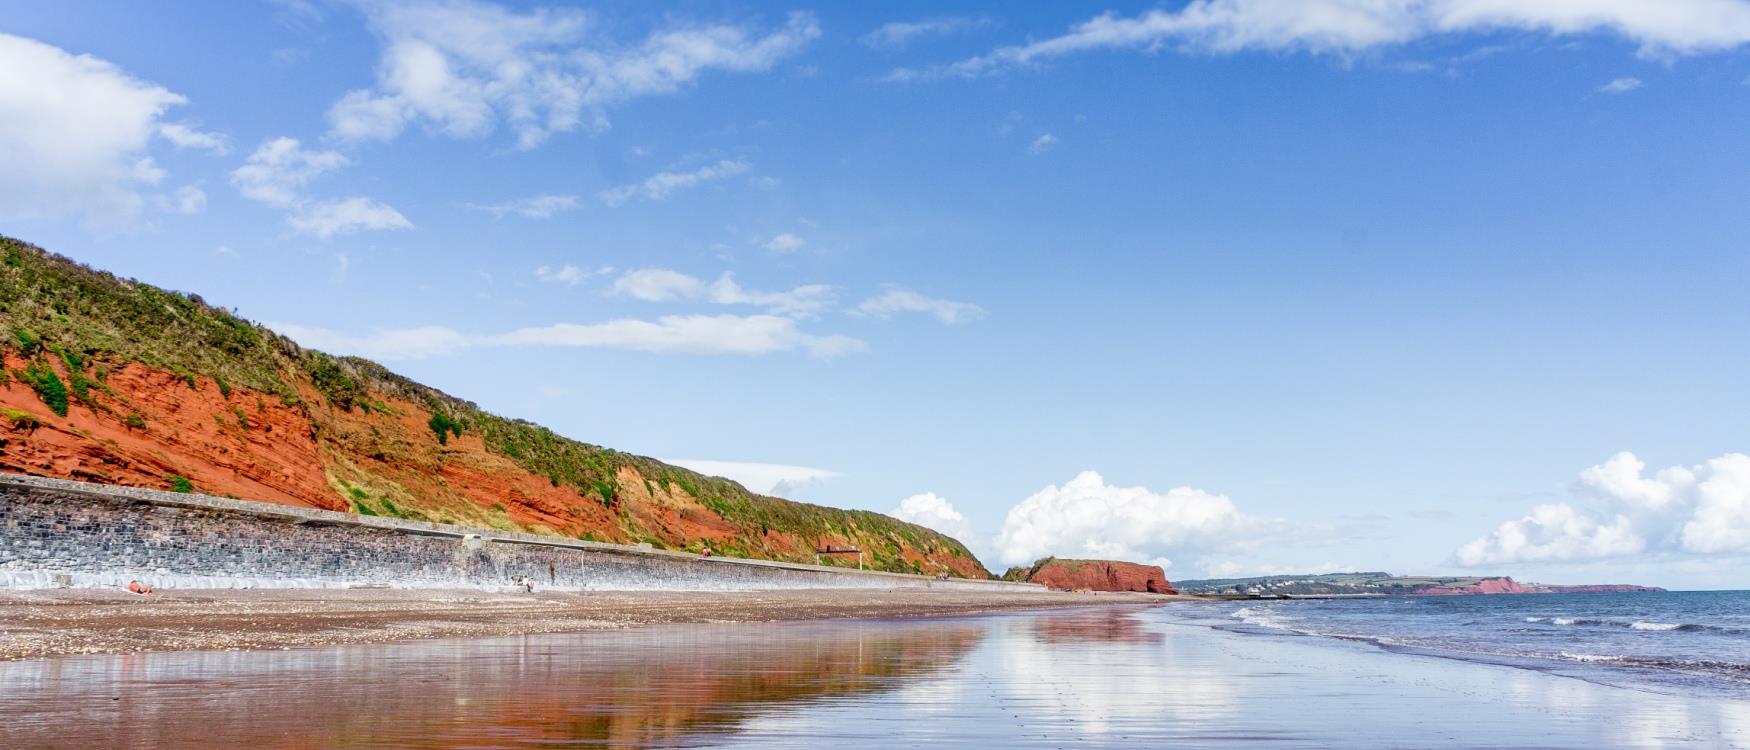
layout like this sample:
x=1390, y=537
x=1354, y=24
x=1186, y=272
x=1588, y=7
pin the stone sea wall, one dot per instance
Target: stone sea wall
x=61, y=533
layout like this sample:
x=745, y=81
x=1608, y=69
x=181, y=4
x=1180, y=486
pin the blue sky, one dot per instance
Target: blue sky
x=1381, y=285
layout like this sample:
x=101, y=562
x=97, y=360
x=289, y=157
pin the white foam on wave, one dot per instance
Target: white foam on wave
x=1564, y=621
x=1572, y=656
x=1645, y=625
x=1537, y=619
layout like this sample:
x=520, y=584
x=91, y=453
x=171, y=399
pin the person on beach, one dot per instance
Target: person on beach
x=706, y=552
x=139, y=588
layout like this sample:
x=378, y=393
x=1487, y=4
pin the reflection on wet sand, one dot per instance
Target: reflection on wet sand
x=633, y=688
x=1121, y=677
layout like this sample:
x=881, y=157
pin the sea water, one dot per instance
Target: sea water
x=1684, y=641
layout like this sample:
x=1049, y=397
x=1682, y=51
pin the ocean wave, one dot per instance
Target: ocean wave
x=1647, y=625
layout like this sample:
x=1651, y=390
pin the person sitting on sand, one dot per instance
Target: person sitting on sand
x=139, y=588
x=706, y=552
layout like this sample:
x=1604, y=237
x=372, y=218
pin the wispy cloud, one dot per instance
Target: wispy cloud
x=569, y=275
x=1042, y=144
x=897, y=300
x=535, y=207
x=900, y=33
x=785, y=243
x=1348, y=27
x=1620, y=86
x=664, y=285
x=767, y=479
x=661, y=185
x=670, y=334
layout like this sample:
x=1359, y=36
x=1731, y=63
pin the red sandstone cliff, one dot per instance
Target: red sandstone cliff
x=114, y=381
x=1095, y=575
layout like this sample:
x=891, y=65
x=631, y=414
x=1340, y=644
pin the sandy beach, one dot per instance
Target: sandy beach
x=1126, y=677
x=90, y=621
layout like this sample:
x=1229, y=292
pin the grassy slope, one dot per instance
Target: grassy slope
x=59, y=315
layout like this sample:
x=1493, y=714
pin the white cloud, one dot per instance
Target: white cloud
x=1618, y=511
x=407, y=343
x=896, y=300
x=568, y=274
x=663, y=184
x=1042, y=144
x=932, y=511
x=460, y=68
x=695, y=334
x=183, y=136
x=74, y=134
x=785, y=243
x=658, y=285
x=1346, y=27
x=1620, y=86
x=278, y=172
x=808, y=299
x=1088, y=518
x=901, y=33
x=766, y=479
x=684, y=334
x=536, y=207
x=325, y=219
x=187, y=200
x=664, y=285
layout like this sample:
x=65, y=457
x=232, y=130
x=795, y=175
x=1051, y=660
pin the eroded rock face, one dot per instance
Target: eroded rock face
x=1100, y=575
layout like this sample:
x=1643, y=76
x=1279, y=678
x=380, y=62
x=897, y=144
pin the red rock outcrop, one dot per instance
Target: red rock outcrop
x=1099, y=575
x=1503, y=585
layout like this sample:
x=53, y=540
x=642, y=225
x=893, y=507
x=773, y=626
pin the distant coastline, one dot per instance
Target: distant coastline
x=1386, y=584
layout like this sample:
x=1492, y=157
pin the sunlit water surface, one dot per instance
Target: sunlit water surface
x=1116, y=677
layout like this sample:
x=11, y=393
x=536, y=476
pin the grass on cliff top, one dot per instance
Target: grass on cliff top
x=49, y=303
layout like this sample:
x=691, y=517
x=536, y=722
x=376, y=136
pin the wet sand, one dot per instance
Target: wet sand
x=89, y=621
x=1125, y=677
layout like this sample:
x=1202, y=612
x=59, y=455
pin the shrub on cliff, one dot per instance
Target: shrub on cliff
x=442, y=426
x=48, y=386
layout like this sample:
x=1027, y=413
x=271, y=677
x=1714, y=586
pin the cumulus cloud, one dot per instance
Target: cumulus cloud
x=1346, y=27
x=1620, y=86
x=675, y=334
x=461, y=68
x=75, y=133
x=278, y=171
x=1086, y=517
x=277, y=175
x=1618, y=511
x=900, y=33
x=661, y=185
x=766, y=479
x=897, y=300
x=664, y=285
x=932, y=511
x=536, y=207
